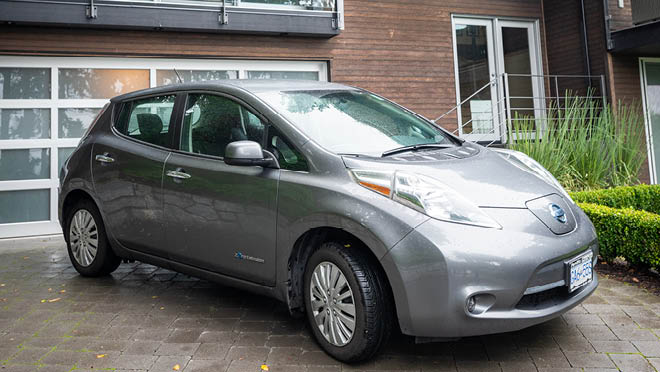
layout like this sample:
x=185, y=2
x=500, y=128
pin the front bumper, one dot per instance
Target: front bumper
x=516, y=273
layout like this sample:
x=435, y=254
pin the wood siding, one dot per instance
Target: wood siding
x=400, y=49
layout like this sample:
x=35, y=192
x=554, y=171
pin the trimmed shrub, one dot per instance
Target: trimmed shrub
x=629, y=233
x=640, y=197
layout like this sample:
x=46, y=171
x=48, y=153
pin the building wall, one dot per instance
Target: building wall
x=402, y=50
x=620, y=17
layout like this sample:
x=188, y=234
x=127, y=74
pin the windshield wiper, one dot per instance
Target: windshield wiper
x=417, y=147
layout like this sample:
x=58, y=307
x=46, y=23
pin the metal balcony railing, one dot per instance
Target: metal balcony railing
x=512, y=98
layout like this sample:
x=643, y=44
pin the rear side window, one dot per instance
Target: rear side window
x=148, y=119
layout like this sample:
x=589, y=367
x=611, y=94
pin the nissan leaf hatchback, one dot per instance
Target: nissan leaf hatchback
x=357, y=213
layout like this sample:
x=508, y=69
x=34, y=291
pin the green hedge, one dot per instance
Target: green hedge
x=640, y=197
x=632, y=234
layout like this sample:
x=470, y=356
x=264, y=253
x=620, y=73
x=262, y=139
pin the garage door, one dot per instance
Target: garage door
x=47, y=103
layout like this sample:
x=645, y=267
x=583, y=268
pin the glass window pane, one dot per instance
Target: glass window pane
x=24, y=164
x=515, y=46
x=473, y=74
x=286, y=75
x=24, y=83
x=653, y=108
x=24, y=123
x=73, y=122
x=212, y=122
x=24, y=206
x=63, y=153
x=167, y=77
x=148, y=120
x=80, y=83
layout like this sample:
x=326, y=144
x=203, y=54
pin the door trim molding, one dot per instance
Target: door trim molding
x=653, y=176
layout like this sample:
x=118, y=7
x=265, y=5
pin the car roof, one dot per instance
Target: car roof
x=252, y=86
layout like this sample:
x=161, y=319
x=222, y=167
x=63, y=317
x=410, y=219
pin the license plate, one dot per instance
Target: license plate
x=580, y=271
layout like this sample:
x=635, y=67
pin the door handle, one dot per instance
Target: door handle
x=178, y=174
x=105, y=158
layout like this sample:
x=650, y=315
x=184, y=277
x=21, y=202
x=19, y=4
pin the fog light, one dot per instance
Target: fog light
x=471, y=304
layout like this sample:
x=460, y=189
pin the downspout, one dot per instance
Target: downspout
x=586, y=42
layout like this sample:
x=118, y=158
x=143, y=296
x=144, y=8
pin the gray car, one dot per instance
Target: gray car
x=357, y=213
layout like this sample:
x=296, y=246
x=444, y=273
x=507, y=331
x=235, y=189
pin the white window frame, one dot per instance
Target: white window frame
x=496, y=62
x=653, y=175
x=53, y=143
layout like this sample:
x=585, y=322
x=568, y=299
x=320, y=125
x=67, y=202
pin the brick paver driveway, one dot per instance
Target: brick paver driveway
x=150, y=319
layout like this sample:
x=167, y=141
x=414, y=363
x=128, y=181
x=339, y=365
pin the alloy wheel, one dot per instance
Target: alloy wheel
x=84, y=237
x=332, y=302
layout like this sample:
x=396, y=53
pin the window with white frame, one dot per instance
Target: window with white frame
x=47, y=103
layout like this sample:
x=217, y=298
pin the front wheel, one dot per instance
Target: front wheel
x=346, y=302
x=87, y=243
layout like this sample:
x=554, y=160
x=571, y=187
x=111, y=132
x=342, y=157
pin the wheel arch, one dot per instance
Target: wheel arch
x=306, y=244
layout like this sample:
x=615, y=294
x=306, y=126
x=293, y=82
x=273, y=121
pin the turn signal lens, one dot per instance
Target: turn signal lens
x=381, y=189
x=378, y=181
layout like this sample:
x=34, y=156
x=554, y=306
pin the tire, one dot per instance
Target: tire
x=104, y=261
x=372, y=305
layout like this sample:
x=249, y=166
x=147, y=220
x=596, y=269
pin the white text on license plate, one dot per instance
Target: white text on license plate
x=580, y=271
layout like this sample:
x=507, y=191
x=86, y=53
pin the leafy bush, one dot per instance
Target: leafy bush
x=640, y=197
x=583, y=144
x=632, y=234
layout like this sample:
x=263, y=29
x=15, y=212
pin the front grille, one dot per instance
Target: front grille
x=545, y=299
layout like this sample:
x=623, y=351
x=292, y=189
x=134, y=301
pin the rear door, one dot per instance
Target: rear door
x=127, y=166
x=220, y=217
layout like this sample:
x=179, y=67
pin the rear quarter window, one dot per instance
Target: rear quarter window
x=147, y=120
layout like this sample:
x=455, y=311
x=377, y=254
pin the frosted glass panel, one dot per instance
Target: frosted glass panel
x=24, y=123
x=24, y=83
x=80, y=83
x=24, y=164
x=73, y=122
x=63, y=153
x=24, y=206
x=167, y=77
x=286, y=75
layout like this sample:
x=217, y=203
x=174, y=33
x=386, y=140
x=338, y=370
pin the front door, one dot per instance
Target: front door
x=220, y=217
x=475, y=71
x=127, y=168
x=651, y=79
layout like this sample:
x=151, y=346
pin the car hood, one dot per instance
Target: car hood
x=479, y=174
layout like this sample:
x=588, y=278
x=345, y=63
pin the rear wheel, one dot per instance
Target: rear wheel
x=87, y=243
x=347, y=305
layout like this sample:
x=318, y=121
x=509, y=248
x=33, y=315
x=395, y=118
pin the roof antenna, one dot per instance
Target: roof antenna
x=178, y=76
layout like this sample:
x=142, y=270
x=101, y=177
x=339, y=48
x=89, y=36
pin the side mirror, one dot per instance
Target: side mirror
x=249, y=153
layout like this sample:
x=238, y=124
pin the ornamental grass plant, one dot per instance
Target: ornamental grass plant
x=586, y=145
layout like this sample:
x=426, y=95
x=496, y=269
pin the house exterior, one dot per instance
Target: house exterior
x=472, y=64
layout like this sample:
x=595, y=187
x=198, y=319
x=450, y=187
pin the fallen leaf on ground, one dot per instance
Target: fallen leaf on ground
x=54, y=299
x=264, y=367
x=99, y=356
x=42, y=301
x=162, y=307
x=176, y=367
x=2, y=285
x=63, y=291
x=154, y=296
x=50, y=289
x=26, y=257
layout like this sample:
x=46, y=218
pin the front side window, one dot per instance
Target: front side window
x=287, y=155
x=354, y=122
x=211, y=122
x=148, y=119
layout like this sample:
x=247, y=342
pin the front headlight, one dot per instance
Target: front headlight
x=527, y=164
x=424, y=194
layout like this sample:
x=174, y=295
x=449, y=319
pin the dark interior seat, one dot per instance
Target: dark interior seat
x=150, y=126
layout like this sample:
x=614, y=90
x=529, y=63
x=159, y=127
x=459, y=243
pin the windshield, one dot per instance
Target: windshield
x=354, y=122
